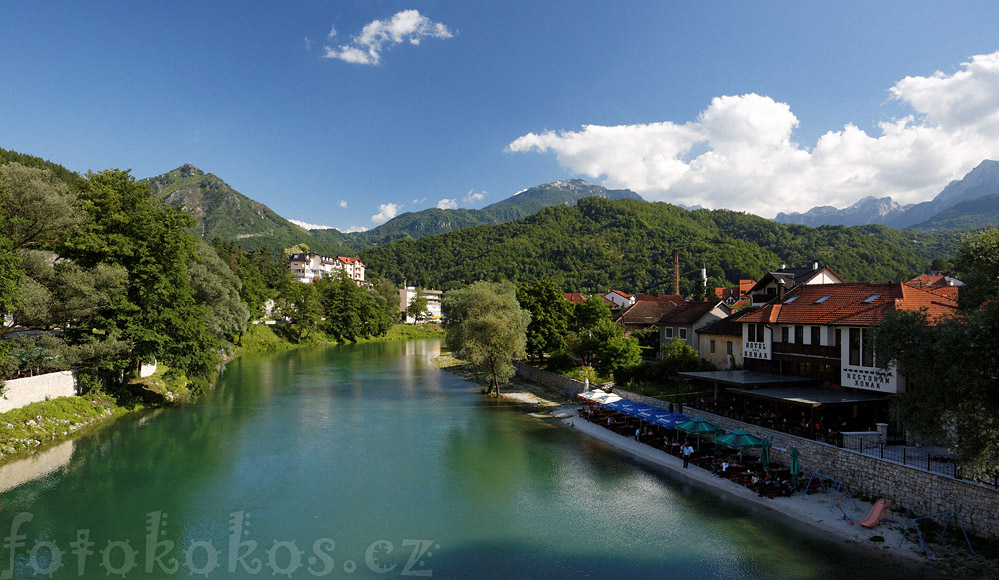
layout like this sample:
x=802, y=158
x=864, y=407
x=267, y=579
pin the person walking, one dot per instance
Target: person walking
x=687, y=450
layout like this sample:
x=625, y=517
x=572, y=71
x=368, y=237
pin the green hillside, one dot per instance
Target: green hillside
x=602, y=244
x=71, y=178
x=969, y=214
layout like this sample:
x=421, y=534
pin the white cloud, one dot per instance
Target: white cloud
x=739, y=152
x=472, y=197
x=355, y=229
x=419, y=201
x=447, y=204
x=343, y=203
x=332, y=33
x=309, y=226
x=308, y=43
x=386, y=211
x=406, y=26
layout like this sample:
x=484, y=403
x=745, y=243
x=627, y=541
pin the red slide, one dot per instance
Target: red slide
x=874, y=518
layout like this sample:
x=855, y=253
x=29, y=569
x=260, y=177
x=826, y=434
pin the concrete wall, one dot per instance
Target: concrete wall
x=20, y=392
x=550, y=380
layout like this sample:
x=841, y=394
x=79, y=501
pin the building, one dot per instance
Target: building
x=310, y=267
x=575, y=297
x=409, y=293
x=685, y=320
x=644, y=314
x=733, y=294
x=766, y=288
x=619, y=299
x=822, y=331
x=938, y=283
x=721, y=343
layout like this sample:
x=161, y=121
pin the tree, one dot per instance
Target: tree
x=951, y=364
x=301, y=304
x=418, y=309
x=550, y=313
x=486, y=326
x=36, y=206
x=217, y=287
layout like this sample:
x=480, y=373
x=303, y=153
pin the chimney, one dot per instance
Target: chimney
x=783, y=266
x=815, y=264
x=781, y=289
x=676, y=272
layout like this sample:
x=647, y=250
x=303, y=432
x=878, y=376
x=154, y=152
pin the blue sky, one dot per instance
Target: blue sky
x=755, y=106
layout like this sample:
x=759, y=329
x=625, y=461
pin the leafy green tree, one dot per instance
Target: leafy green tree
x=342, y=302
x=158, y=313
x=380, y=307
x=418, y=309
x=590, y=312
x=36, y=206
x=550, y=313
x=389, y=299
x=216, y=286
x=486, y=326
x=301, y=304
x=950, y=364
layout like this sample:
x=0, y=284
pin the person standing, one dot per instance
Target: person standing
x=687, y=450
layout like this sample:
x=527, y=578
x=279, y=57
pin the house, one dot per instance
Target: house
x=938, y=283
x=822, y=331
x=721, y=342
x=644, y=314
x=685, y=320
x=733, y=294
x=310, y=267
x=575, y=298
x=668, y=301
x=766, y=288
x=619, y=299
x=409, y=293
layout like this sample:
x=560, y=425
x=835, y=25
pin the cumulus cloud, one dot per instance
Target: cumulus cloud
x=343, y=203
x=447, y=204
x=355, y=229
x=740, y=154
x=472, y=197
x=309, y=226
x=367, y=47
x=386, y=211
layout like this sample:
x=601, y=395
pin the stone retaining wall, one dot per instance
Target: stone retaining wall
x=920, y=491
x=20, y=392
x=550, y=380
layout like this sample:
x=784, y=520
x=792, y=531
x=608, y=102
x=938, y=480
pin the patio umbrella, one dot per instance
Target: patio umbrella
x=699, y=427
x=794, y=467
x=765, y=454
x=740, y=439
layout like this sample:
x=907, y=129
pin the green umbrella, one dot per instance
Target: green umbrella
x=765, y=454
x=699, y=427
x=794, y=467
x=740, y=439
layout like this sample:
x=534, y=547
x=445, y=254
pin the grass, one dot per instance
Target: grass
x=278, y=337
x=46, y=421
x=171, y=385
x=413, y=332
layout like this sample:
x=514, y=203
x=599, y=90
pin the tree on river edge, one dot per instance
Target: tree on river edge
x=486, y=326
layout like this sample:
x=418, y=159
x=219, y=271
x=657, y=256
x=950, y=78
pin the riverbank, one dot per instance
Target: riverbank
x=278, y=337
x=814, y=513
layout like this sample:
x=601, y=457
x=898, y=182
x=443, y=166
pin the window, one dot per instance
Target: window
x=839, y=337
x=751, y=333
x=683, y=334
x=669, y=333
x=760, y=336
x=790, y=300
x=784, y=334
x=816, y=340
x=871, y=298
x=799, y=335
x=823, y=299
x=867, y=356
x=854, y=347
x=728, y=347
x=712, y=343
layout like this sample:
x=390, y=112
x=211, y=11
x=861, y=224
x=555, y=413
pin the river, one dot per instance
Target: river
x=366, y=461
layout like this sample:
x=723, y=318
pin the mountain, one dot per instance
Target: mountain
x=603, y=244
x=70, y=178
x=223, y=212
x=966, y=215
x=981, y=181
x=866, y=211
x=433, y=221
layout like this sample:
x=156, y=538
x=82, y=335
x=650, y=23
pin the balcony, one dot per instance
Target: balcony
x=809, y=350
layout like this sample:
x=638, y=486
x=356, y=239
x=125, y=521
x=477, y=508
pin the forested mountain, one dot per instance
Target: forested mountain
x=969, y=214
x=602, y=244
x=70, y=178
x=981, y=181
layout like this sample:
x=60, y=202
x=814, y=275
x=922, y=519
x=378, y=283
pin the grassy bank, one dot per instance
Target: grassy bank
x=278, y=337
x=43, y=422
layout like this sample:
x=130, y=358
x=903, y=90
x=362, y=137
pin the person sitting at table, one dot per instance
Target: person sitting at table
x=724, y=466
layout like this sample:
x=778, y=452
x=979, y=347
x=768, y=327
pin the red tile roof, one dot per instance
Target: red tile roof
x=644, y=313
x=665, y=299
x=848, y=304
x=575, y=297
x=619, y=293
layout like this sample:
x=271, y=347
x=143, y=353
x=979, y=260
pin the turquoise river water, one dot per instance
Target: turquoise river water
x=367, y=461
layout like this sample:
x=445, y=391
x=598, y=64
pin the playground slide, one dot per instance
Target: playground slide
x=874, y=518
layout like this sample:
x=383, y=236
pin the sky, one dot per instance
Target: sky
x=347, y=113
